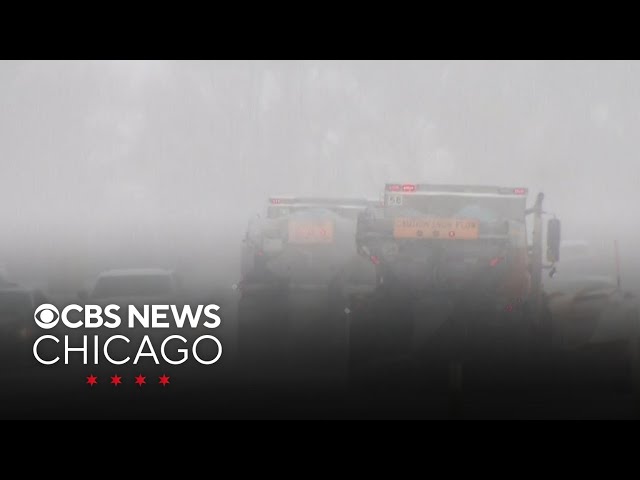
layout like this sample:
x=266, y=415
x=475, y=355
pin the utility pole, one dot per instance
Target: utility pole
x=536, y=255
x=617, y=252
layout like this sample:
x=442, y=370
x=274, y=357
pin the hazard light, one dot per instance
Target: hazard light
x=406, y=187
x=495, y=261
x=520, y=191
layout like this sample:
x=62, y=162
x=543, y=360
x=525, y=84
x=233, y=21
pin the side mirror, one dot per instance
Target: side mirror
x=553, y=240
x=83, y=295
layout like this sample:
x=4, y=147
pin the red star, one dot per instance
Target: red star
x=164, y=380
x=91, y=380
x=140, y=380
x=115, y=380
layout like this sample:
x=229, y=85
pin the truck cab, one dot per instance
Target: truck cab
x=300, y=241
x=450, y=239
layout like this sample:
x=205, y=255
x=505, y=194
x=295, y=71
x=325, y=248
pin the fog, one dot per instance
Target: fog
x=132, y=163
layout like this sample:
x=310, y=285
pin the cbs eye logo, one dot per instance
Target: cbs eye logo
x=46, y=316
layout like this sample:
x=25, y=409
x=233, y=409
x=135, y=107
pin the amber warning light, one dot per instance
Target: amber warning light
x=407, y=187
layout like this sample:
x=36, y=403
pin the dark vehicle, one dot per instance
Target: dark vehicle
x=454, y=271
x=151, y=285
x=17, y=326
x=594, y=317
x=299, y=261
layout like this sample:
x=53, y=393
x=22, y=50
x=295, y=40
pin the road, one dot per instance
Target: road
x=310, y=381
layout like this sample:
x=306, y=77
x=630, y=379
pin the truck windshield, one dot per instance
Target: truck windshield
x=482, y=208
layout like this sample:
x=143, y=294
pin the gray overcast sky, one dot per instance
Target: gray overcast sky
x=97, y=153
